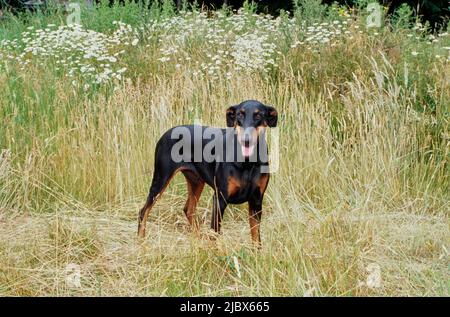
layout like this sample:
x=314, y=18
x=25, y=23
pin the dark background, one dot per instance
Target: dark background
x=434, y=11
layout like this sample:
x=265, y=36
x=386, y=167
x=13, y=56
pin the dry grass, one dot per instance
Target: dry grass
x=321, y=255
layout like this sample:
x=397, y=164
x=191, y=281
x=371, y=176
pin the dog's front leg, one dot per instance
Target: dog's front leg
x=219, y=206
x=254, y=217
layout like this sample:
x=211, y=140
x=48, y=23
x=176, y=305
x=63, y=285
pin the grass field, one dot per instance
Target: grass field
x=358, y=207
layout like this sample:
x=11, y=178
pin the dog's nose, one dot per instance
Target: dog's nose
x=246, y=138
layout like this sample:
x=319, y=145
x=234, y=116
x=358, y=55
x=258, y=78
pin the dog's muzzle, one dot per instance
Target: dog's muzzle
x=247, y=140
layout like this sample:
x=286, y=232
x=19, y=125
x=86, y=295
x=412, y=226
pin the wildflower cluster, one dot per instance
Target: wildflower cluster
x=228, y=43
x=420, y=34
x=216, y=45
x=326, y=33
x=78, y=52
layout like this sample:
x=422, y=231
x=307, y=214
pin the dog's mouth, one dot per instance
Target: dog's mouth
x=247, y=150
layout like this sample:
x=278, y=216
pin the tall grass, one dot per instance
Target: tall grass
x=363, y=178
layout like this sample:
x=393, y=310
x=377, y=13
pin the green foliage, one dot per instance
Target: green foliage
x=101, y=17
x=403, y=17
x=249, y=6
x=309, y=11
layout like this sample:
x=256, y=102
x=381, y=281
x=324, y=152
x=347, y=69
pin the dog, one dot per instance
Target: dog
x=236, y=166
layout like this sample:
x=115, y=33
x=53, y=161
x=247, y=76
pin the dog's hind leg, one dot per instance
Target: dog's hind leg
x=161, y=179
x=195, y=187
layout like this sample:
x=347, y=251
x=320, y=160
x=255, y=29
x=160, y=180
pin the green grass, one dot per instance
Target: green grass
x=363, y=178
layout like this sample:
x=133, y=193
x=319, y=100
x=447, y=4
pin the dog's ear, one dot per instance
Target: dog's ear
x=271, y=116
x=231, y=116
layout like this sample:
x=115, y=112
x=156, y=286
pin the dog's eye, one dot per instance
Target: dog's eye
x=257, y=116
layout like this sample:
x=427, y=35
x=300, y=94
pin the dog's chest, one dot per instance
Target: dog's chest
x=241, y=185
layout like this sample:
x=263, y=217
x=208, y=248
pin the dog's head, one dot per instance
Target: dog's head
x=250, y=119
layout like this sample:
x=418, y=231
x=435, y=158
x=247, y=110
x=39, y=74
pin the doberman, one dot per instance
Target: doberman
x=236, y=169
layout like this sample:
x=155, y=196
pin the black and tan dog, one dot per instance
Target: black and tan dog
x=232, y=161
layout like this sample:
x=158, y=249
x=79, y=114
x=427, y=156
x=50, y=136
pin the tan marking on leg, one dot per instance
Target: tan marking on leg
x=142, y=224
x=254, y=228
x=195, y=189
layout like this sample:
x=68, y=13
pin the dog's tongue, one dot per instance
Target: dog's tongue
x=247, y=150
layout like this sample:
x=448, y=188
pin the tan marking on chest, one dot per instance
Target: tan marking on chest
x=234, y=185
x=262, y=183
